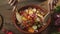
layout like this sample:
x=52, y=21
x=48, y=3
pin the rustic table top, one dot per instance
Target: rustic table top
x=6, y=12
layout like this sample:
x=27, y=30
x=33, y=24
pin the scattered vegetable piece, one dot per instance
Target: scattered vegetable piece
x=31, y=30
x=34, y=27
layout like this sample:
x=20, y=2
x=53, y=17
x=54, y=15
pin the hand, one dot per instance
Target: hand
x=52, y=4
x=12, y=2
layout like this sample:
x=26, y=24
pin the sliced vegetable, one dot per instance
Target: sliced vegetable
x=37, y=19
x=18, y=17
x=26, y=11
x=34, y=27
x=23, y=18
x=31, y=30
x=39, y=25
x=34, y=9
x=36, y=30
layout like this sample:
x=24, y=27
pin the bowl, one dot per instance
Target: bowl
x=45, y=19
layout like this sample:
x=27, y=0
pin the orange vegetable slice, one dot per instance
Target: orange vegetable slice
x=31, y=30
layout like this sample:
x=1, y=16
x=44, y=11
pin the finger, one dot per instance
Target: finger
x=14, y=3
x=10, y=1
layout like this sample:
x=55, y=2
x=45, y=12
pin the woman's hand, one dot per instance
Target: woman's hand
x=12, y=2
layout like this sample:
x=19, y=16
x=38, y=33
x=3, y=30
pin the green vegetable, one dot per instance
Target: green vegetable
x=57, y=10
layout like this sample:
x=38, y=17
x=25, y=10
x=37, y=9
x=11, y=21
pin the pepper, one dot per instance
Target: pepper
x=31, y=30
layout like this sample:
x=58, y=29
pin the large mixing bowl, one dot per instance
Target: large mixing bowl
x=46, y=20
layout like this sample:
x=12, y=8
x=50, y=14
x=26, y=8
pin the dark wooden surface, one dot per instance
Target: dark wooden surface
x=6, y=12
